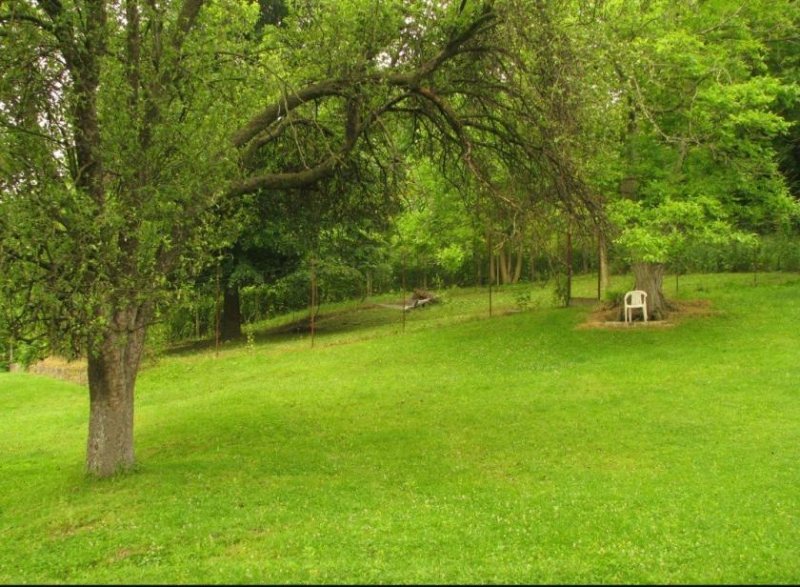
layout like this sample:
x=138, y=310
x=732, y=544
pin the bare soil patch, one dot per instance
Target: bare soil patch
x=58, y=368
x=608, y=315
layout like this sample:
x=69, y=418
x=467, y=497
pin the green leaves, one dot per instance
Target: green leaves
x=660, y=234
x=700, y=114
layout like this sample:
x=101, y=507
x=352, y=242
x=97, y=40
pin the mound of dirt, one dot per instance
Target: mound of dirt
x=607, y=315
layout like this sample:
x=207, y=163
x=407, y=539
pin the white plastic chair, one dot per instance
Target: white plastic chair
x=635, y=299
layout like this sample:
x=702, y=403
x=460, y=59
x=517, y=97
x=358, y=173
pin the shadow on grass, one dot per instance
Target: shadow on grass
x=380, y=316
x=338, y=322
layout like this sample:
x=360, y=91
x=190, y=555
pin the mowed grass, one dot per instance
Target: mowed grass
x=516, y=449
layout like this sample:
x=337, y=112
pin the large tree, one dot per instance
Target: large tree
x=697, y=113
x=130, y=129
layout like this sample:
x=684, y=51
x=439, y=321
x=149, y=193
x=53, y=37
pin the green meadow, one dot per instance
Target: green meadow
x=452, y=448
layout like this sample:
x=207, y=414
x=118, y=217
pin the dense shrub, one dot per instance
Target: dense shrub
x=774, y=253
x=22, y=354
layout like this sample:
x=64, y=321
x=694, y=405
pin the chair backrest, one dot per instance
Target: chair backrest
x=635, y=297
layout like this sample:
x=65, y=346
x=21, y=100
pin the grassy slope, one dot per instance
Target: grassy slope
x=517, y=449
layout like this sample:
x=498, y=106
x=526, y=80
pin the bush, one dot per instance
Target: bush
x=522, y=298
x=780, y=253
x=614, y=296
x=774, y=253
x=24, y=354
x=561, y=292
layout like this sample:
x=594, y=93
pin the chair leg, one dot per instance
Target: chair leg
x=644, y=313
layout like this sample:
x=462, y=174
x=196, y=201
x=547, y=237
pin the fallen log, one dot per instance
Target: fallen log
x=421, y=294
x=419, y=299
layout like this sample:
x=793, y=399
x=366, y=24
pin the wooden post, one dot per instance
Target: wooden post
x=313, y=302
x=492, y=267
x=217, y=316
x=404, y=288
x=569, y=265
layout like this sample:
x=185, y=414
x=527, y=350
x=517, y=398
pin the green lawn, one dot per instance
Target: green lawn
x=516, y=449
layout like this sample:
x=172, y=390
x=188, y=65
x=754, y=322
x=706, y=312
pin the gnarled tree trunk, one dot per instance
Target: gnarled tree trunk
x=650, y=278
x=112, y=372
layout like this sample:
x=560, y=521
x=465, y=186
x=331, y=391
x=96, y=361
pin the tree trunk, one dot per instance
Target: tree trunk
x=112, y=369
x=504, y=261
x=231, y=327
x=518, y=266
x=602, y=262
x=650, y=278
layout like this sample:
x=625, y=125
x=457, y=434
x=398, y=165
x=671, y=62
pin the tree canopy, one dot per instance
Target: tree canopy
x=132, y=130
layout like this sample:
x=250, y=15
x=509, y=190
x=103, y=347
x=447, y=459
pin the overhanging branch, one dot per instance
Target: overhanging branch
x=272, y=121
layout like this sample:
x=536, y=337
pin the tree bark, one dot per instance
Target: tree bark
x=112, y=369
x=231, y=321
x=518, y=266
x=503, y=261
x=602, y=262
x=650, y=279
